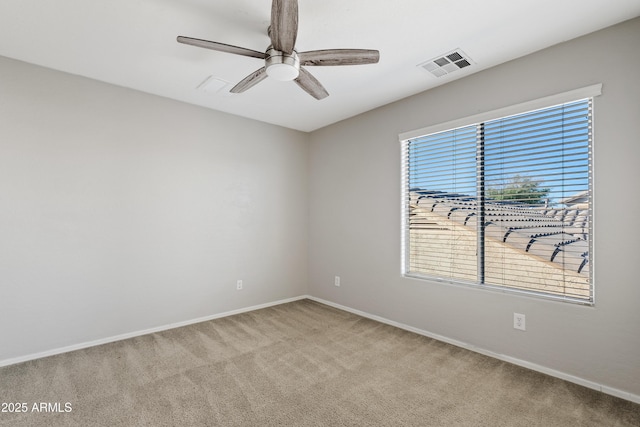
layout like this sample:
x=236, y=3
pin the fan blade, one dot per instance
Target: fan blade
x=339, y=57
x=250, y=81
x=311, y=85
x=221, y=47
x=284, y=25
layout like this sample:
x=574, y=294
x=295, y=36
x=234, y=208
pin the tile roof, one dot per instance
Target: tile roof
x=556, y=235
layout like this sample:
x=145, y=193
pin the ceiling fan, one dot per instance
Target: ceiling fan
x=281, y=61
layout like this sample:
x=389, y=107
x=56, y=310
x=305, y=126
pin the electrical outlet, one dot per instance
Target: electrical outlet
x=519, y=321
x=336, y=281
x=239, y=285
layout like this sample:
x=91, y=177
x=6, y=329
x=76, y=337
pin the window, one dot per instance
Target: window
x=503, y=203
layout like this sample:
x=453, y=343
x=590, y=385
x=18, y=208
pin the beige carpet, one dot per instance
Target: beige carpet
x=298, y=364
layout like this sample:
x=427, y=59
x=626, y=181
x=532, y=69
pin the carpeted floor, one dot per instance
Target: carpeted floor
x=296, y=364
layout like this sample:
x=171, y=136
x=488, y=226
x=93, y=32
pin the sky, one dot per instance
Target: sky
x=550, y=145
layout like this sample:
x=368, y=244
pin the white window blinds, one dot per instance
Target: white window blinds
x=504, y=203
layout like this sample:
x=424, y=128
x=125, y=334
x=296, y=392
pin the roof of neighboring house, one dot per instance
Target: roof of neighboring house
x=580, y=198
x=557, y=235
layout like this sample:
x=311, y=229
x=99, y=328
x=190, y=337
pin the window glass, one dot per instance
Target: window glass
x=505, y=203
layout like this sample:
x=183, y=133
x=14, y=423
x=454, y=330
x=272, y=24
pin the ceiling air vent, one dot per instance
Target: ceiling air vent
x=212, y=84
x=447, y=63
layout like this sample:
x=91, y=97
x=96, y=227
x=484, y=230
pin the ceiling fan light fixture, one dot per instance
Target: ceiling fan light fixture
x=282, y=66
x=283, y=72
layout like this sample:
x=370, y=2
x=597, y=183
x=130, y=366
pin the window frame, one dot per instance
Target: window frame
x=526, y=107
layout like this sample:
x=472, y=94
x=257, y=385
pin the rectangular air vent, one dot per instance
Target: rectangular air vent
x=447, y=63
x=212, y=84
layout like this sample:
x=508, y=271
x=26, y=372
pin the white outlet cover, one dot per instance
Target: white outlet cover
x=519, y=321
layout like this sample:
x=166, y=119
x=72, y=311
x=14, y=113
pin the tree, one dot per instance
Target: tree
x=521, y=189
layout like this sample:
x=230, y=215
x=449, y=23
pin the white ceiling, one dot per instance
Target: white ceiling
x=132, y=43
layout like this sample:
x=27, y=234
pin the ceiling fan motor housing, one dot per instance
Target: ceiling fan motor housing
x=282, y=66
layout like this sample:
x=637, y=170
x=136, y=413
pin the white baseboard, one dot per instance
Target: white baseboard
x=53, y=352
x=533, y=366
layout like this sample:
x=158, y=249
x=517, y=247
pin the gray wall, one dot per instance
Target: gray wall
x=355, y=216
x=121, y=211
